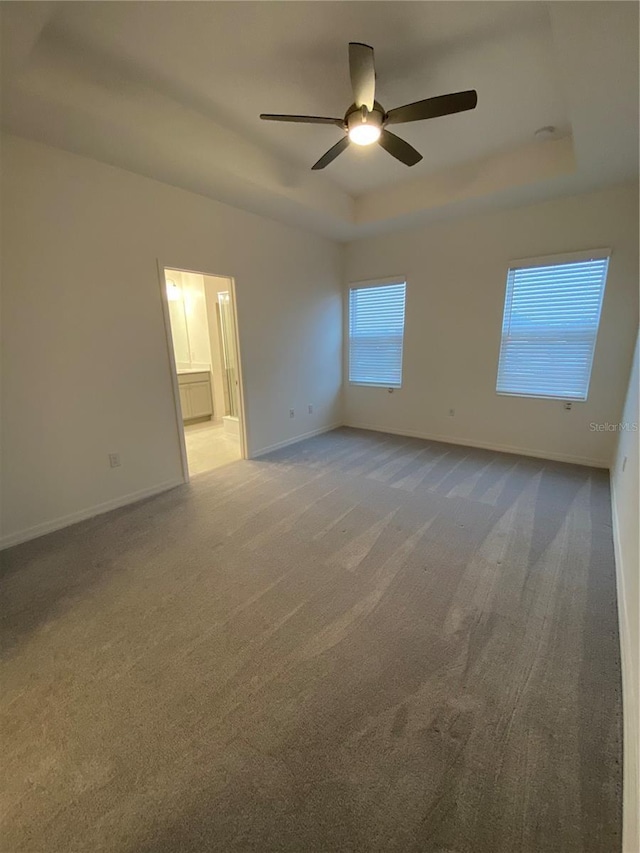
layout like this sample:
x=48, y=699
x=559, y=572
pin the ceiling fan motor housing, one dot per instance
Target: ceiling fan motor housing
x=361, y=115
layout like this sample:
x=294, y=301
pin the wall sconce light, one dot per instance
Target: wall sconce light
x=173, y=291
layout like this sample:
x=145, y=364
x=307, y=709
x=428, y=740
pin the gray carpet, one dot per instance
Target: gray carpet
x=358, y=643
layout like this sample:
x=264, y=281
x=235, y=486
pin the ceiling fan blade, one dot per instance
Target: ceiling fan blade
x=332, y=153
x=399, y=149
x=302, y=119
x=363, y=74
x=443, y=105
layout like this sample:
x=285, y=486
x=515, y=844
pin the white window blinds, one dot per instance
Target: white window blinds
x=551, y=315
x=376, y=331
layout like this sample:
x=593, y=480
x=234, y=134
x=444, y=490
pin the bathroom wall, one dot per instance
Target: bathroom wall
x=195, y=328
x=212, y=286
x=195, y=307
x=191, y=338
x=178, y=320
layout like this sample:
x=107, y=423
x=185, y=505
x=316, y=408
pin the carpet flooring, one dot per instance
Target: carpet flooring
x=357, y=643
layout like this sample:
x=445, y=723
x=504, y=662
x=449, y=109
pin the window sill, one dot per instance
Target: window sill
x=376, y=385
x=565, y=399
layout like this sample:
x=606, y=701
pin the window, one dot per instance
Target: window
x=551, y=315
x=376, y=331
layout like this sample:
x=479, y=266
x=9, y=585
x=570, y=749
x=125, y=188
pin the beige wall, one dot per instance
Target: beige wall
x=86, y=369
x=625, y=476
x=456, y=276
x=85, y=362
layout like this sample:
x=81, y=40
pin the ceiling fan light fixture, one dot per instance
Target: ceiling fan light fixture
x=364, y=133
x=366, y=120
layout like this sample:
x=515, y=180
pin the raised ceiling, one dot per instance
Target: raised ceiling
x=173, y=90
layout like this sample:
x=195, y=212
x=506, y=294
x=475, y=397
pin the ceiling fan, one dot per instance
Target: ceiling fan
x=365, y=122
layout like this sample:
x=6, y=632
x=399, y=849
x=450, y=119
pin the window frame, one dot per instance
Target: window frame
x=548, y=261
x=369, y=284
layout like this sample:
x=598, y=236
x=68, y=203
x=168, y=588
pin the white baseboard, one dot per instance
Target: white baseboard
x=37, y=530
x=64, y=521
x=503, y=448
x=295, y=440
x=81, y=515
x=630, y=706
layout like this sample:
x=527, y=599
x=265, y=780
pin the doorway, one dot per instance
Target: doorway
x=202, y=331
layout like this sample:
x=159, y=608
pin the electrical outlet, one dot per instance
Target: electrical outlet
x=114, y=460
x=292, y=413
x=310, y=408
x=568, y=406
x=452, y=413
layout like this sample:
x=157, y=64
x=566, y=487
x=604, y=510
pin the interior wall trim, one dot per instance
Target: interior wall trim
x=630, y=704
x=81, y=515
x=29, y=533
x=264, y=450
x=502, y=448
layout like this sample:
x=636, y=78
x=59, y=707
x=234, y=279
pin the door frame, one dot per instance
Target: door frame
x=162, y=267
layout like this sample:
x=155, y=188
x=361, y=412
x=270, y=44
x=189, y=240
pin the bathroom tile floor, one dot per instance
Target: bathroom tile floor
x=208, y=447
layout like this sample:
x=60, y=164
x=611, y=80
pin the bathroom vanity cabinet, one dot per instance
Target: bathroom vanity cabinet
x=195, y=395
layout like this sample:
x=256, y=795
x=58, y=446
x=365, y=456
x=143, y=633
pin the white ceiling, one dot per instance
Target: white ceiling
x=173, y=90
